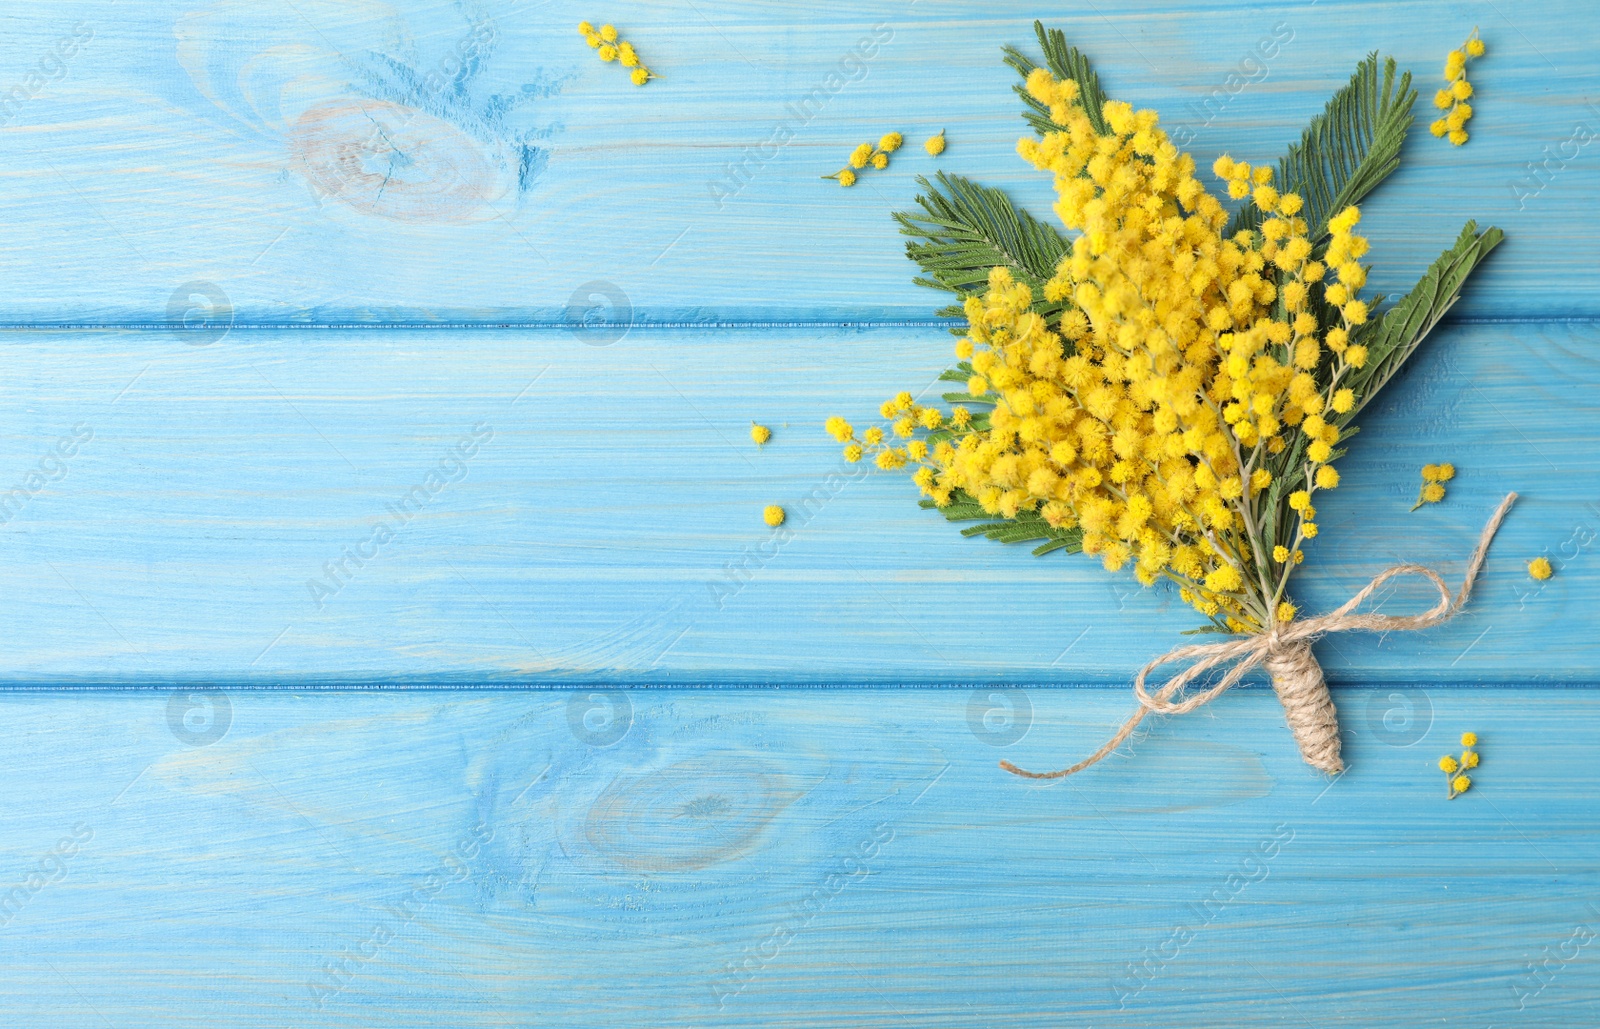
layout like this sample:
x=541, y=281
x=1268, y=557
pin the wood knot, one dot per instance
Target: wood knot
x=395, y=162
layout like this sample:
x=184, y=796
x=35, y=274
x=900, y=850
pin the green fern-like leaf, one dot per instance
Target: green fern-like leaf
x=1348, y=149
x=1395, y=337
x=965, y=229
x=1026, y=527
x=1065, y=62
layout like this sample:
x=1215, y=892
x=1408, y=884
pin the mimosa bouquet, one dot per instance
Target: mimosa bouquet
x=1170, y=388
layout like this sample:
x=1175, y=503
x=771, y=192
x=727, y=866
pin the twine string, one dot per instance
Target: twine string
x=1285, y=648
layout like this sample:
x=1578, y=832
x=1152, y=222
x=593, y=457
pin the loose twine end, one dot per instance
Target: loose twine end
x=1287, y=645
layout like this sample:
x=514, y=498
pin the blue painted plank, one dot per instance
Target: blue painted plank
x=440, y=163
x=800, y=859
x=595, y=514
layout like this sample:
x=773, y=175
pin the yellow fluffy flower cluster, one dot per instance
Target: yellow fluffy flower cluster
x=865, y=154
x=1453, y=98
x=1457, y=781
x=1189, y=371
x=610, y=48
x=1434, y=476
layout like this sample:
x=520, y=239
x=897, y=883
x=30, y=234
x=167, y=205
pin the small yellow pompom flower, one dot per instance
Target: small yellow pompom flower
x=1309, y=530
x=1327, y=477
x=1286, y=612
x=890, y=142
x=585, y=28
x=760, y=433
x=880, y=161
x=1458, y=784
x=852, y=453
x=846, y=177
x=608, y=33
x=608, y=52
x=861, y=155
x=935, y=144
x=1540, y=568
x=1453, y=98
x=1433, y=478
x=1299, y=500
x=838, y=428
x=773, y=515
x=1280, y=553
x=640, y=76
x=1357, y=356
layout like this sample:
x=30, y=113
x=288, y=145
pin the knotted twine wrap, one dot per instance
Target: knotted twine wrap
x=1285, y=651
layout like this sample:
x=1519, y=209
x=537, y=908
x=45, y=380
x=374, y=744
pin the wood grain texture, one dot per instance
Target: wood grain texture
x=793, y=859
x=471, y=162
x=228, y=519
x=554, y=488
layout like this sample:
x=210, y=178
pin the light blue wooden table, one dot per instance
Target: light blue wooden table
x=575, y=740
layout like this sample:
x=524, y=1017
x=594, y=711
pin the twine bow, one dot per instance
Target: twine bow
x=1285, y=648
